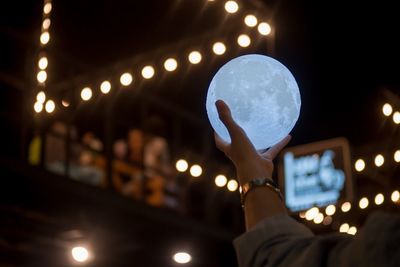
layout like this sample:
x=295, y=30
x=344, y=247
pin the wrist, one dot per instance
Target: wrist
x=247, y=172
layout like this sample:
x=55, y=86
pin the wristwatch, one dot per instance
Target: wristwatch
x=258, y=182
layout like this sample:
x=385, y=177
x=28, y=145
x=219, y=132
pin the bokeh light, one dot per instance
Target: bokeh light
x=387, y=109
x=181, y=165
x=359, y=165
x=363, y=204
x=50, y=106
x=105, y=87
x=396, y=117
x=346, y=206
x=231, y=7
x=196, y=170
x=86, y=94
x=38, y=107
x=344, y=228
x=44, y=38
x=80, y=254
x=244, y=40
x=264, y=28
x=379, y=199
x=43, y=63
x=220, y=180
x=195, y=57
x=126, y=79
x=170, y=64
x=395, y=196
x=41, y=97
x=148, y=72
x=182, y=257
x=250, y=20
x=379, y=160
x=41, y=76
x=330, y=210
x=219, y=48
x=232, y=185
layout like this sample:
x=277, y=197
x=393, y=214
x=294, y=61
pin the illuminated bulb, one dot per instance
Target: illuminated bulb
x=395, y=196
x=344, y=228
x=396, y=117
x=195, y=57
x=219, y=48
x=86, y=94
x=396, y=156
x=346, y=206
x=44, y=38
x=47, y=8
x=232, y=185
x=379, y=160
x=244, y=40
x=181, y=165
x=312, y=213
x=105, y=87
x=65, y=103
x=126, y=79
x=319, y=218
x=80, y=254
x=359, y=165
x=148, y=72
x=46, y=24
x=363, y=203
x=196, y=170
x=50, y=106
x=352, y=230
x=379, y=199
x=302, y=215
x=387, y=109
x=330, y=210
x=41, y=97
x=327, y=220
x=170, y=64
x=250, y=20
x=38, y=107
x=231, y=7
x=43, y=63
x=41, y=76
x=182, y=257
x=220, y=180
x=264, y=28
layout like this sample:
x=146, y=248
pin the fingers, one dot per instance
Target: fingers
x=220, y=143
x=225, y=116
x=274, y=151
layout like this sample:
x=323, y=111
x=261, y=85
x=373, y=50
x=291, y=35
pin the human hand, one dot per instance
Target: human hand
x=249, y=163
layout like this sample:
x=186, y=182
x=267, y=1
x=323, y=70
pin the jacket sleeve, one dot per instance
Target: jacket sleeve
x=281, y=241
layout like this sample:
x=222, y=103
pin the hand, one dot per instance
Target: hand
x=249, y=163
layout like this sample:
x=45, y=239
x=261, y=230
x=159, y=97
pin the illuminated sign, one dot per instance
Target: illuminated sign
x=316, y=174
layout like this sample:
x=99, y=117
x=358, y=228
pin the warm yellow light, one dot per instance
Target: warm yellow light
x=44, y=38
x=80, y=254
x=346, y=206
x=41, y=76
x=65, y=103
x=379, y=160
x=264, y=28
x=387, y=109
x=244, y=40
x=312, y=213
x=38, y=107
x=105, y=87
x=220, y=180
x=41, y=97
x=363, y=203
x=195, y=57
x=50, y=106
x=47, y=8
x=126, y=79
x=196, y=170
x=231, y=7
x=396, y=117
x=359, y=165
x=182, y=257
x=379, y=199
x=319, y=218
x=327, y=220
x=170, y=64
x=181, y=165
x=86, y=94
x=219, y=48
x=302, y=214
x=344, y=228
x=396, y=156
x=250, y=20
x=148, y=72
x=46, y=24
x=352, y=230
x=232, y=185
x=395, y=196
x=43, y=63
x=330, y=210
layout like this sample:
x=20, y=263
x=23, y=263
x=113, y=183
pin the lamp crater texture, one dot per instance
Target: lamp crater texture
x=263, y=96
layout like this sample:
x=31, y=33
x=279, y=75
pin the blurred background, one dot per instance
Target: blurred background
x=107, y=157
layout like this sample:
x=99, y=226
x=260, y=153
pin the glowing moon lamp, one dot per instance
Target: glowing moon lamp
x=263, y=96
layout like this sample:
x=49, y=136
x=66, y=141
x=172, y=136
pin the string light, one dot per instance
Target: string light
x=126, y=79
x=65, y=103
x=250, y=20
x=264, y=28
x=396, y=156
x=232, y=185
x=220, y=180
x=170, y=64
x=363, y=203
x=50, y=106
x=302, y=215
x=86, y=94
x=319, y=218
x=379, y=199
x=46, y=24
x=346, y=206
x=182, y=257
x=196, y=170
x=38, y=107
x=41, y=76
x=181, y=165
x=395, y=196
x=327, y=220
x=312, y=213
x=148, y=72
x=244, y=40
x=396, y=117
x=231, y=7
x=344, y=228
x=80, y=254
x=41, y=97
x=352, y=230
x=379, y=160
x=105, y=87
x=195, y=57
x=43, y=63
x=330, y=210
x=219, y=48
x=45, y=38
x=387, y=109
x=47, y=8
x=359, y=165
